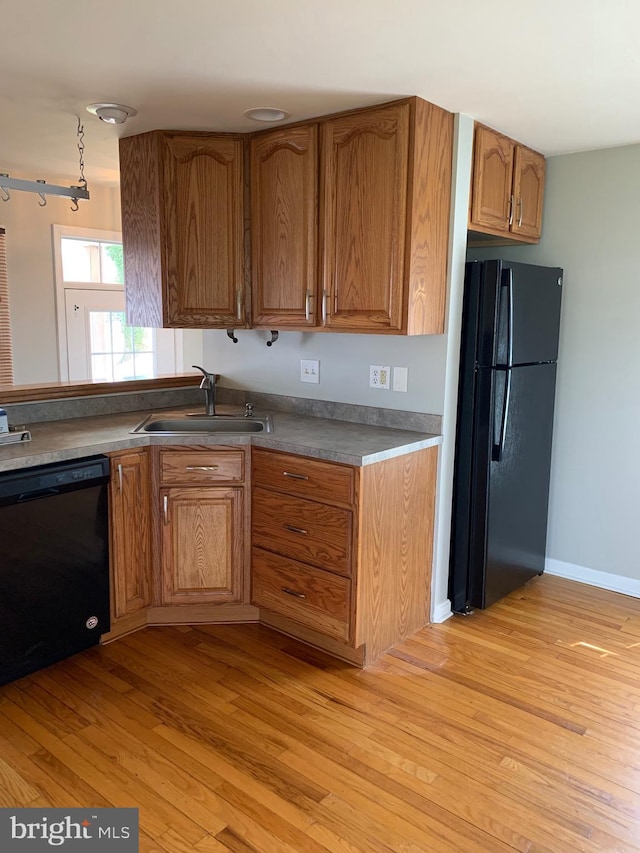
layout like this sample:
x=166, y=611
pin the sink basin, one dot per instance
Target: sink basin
x=203, y=425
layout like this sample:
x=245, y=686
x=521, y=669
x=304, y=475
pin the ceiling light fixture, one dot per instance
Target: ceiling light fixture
x=112, y=113
x=266, y=114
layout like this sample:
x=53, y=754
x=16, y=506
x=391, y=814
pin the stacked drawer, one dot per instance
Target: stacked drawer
x=303, y=540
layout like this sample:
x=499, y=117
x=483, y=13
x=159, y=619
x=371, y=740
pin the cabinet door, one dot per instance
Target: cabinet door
x=202, y=545
x=528, y=191
x=363, y=218
x=204, y=231
x=130, y=532
x=284, y=201
x=491, y=189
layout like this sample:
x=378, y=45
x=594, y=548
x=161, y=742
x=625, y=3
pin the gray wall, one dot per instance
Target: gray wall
x=344, y=366
x=591, y=227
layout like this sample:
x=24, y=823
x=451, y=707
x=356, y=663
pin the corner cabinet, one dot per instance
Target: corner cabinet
x=131, y=530
x=342, y=556
x=507, y=189
x=182, y=197
x=202, y=520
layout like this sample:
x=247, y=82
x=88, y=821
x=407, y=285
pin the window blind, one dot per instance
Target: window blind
x=6, y=350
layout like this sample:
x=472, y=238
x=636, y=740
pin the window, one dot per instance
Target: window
x=6, y=350
x=95, y=342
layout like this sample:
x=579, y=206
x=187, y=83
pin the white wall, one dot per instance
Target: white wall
x=591, y=226
x=31, y=270
x=344, y=366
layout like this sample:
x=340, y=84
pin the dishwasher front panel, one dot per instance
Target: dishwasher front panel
x=54, y=576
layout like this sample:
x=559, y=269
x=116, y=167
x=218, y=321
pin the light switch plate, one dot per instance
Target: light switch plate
x=309, y=370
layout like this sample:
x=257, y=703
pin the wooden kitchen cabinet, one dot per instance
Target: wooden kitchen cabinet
x=284, y=227
x=365, y=584
x=384, y=218
x=182, y=196
x=507, y=189
x=130, y=531
x=202, y=521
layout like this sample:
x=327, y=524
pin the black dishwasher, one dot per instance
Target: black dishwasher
x=54, y=563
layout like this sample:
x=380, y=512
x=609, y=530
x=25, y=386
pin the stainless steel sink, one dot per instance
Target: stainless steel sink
x=203, y=425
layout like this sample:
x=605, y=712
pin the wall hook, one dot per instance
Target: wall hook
x=274, y=338
x=5, y=194
x=43, y=201
x=75, y=205
x=232, y=336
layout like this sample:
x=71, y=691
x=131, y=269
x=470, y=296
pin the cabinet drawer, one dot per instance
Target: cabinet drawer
x=309, y=596
x=201, y=467
x=305, y=530
x=299, y=475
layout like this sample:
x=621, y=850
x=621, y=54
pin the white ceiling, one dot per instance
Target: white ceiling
x=559, y=75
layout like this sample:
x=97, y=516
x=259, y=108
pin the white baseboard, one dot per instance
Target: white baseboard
x=442, y=611
x=605, y=580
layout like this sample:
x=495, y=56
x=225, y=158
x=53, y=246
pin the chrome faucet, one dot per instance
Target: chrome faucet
x=208, y=385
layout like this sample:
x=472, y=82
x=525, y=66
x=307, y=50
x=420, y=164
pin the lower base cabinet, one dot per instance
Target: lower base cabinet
x=366, y=582
x=130, y=530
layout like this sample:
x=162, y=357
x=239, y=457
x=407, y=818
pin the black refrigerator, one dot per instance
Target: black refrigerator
x=508, y=359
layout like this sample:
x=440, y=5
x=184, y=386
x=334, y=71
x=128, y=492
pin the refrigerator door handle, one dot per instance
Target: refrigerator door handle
x=497, y=450
x=510, y=318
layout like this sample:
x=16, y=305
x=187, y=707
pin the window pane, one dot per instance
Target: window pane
x=123, y=367
x=100, y=331
x=144, y=366
x=112, y=263
x=101, y=369
x=80, y=259
x=120, y=332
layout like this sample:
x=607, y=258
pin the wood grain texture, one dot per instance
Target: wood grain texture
x=528, y=191
x=293, y=474
x=130, y=530
x=304, y=530
x=395, y=549
x=317, y=599
x=200, y=467
x=284, y=226
x=427, y=245
x=204, y=229
x=62, y=390
x=512, y=730
x=141, y=199
x=363, y=217
x=492, y=181
x=202, y=545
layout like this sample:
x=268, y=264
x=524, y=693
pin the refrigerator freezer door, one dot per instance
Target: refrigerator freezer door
x=519, y=316
x=510, y=496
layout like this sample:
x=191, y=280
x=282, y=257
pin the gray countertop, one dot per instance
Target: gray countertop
x=337, y=441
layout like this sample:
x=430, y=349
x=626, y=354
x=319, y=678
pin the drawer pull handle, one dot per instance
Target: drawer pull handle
x=293, y=592
x=295, y=476
x=295, y=529
x=202, y=468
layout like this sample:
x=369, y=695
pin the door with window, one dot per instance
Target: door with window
x=94, y=341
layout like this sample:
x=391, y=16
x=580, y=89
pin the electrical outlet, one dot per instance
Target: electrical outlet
x=309, y=371
x=400, y=378
x=379, y=376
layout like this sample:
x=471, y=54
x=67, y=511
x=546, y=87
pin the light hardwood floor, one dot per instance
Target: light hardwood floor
x=515, y=729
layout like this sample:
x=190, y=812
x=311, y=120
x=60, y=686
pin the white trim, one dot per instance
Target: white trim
x=57, y=232
x=593, y=577
x=441, y=611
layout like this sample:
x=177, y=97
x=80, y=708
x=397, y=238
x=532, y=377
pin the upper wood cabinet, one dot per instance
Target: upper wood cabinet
x=284, y=226
x=183, y=229
x=507, y=188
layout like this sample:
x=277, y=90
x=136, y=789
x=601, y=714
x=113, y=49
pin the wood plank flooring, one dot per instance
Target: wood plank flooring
x=515, y=729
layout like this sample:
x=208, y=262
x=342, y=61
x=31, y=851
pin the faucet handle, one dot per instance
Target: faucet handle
x=248, y=410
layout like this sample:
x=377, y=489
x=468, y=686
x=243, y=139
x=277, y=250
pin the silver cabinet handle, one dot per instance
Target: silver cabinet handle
x=294, y=476
x=201, y=468
x=293, y=592
x=521, y=204
x=120, y=476
x=324, y=306
x=165, y=508
x=239, y=305
x=295, y=529
x=510, y=215
x=307, y=306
